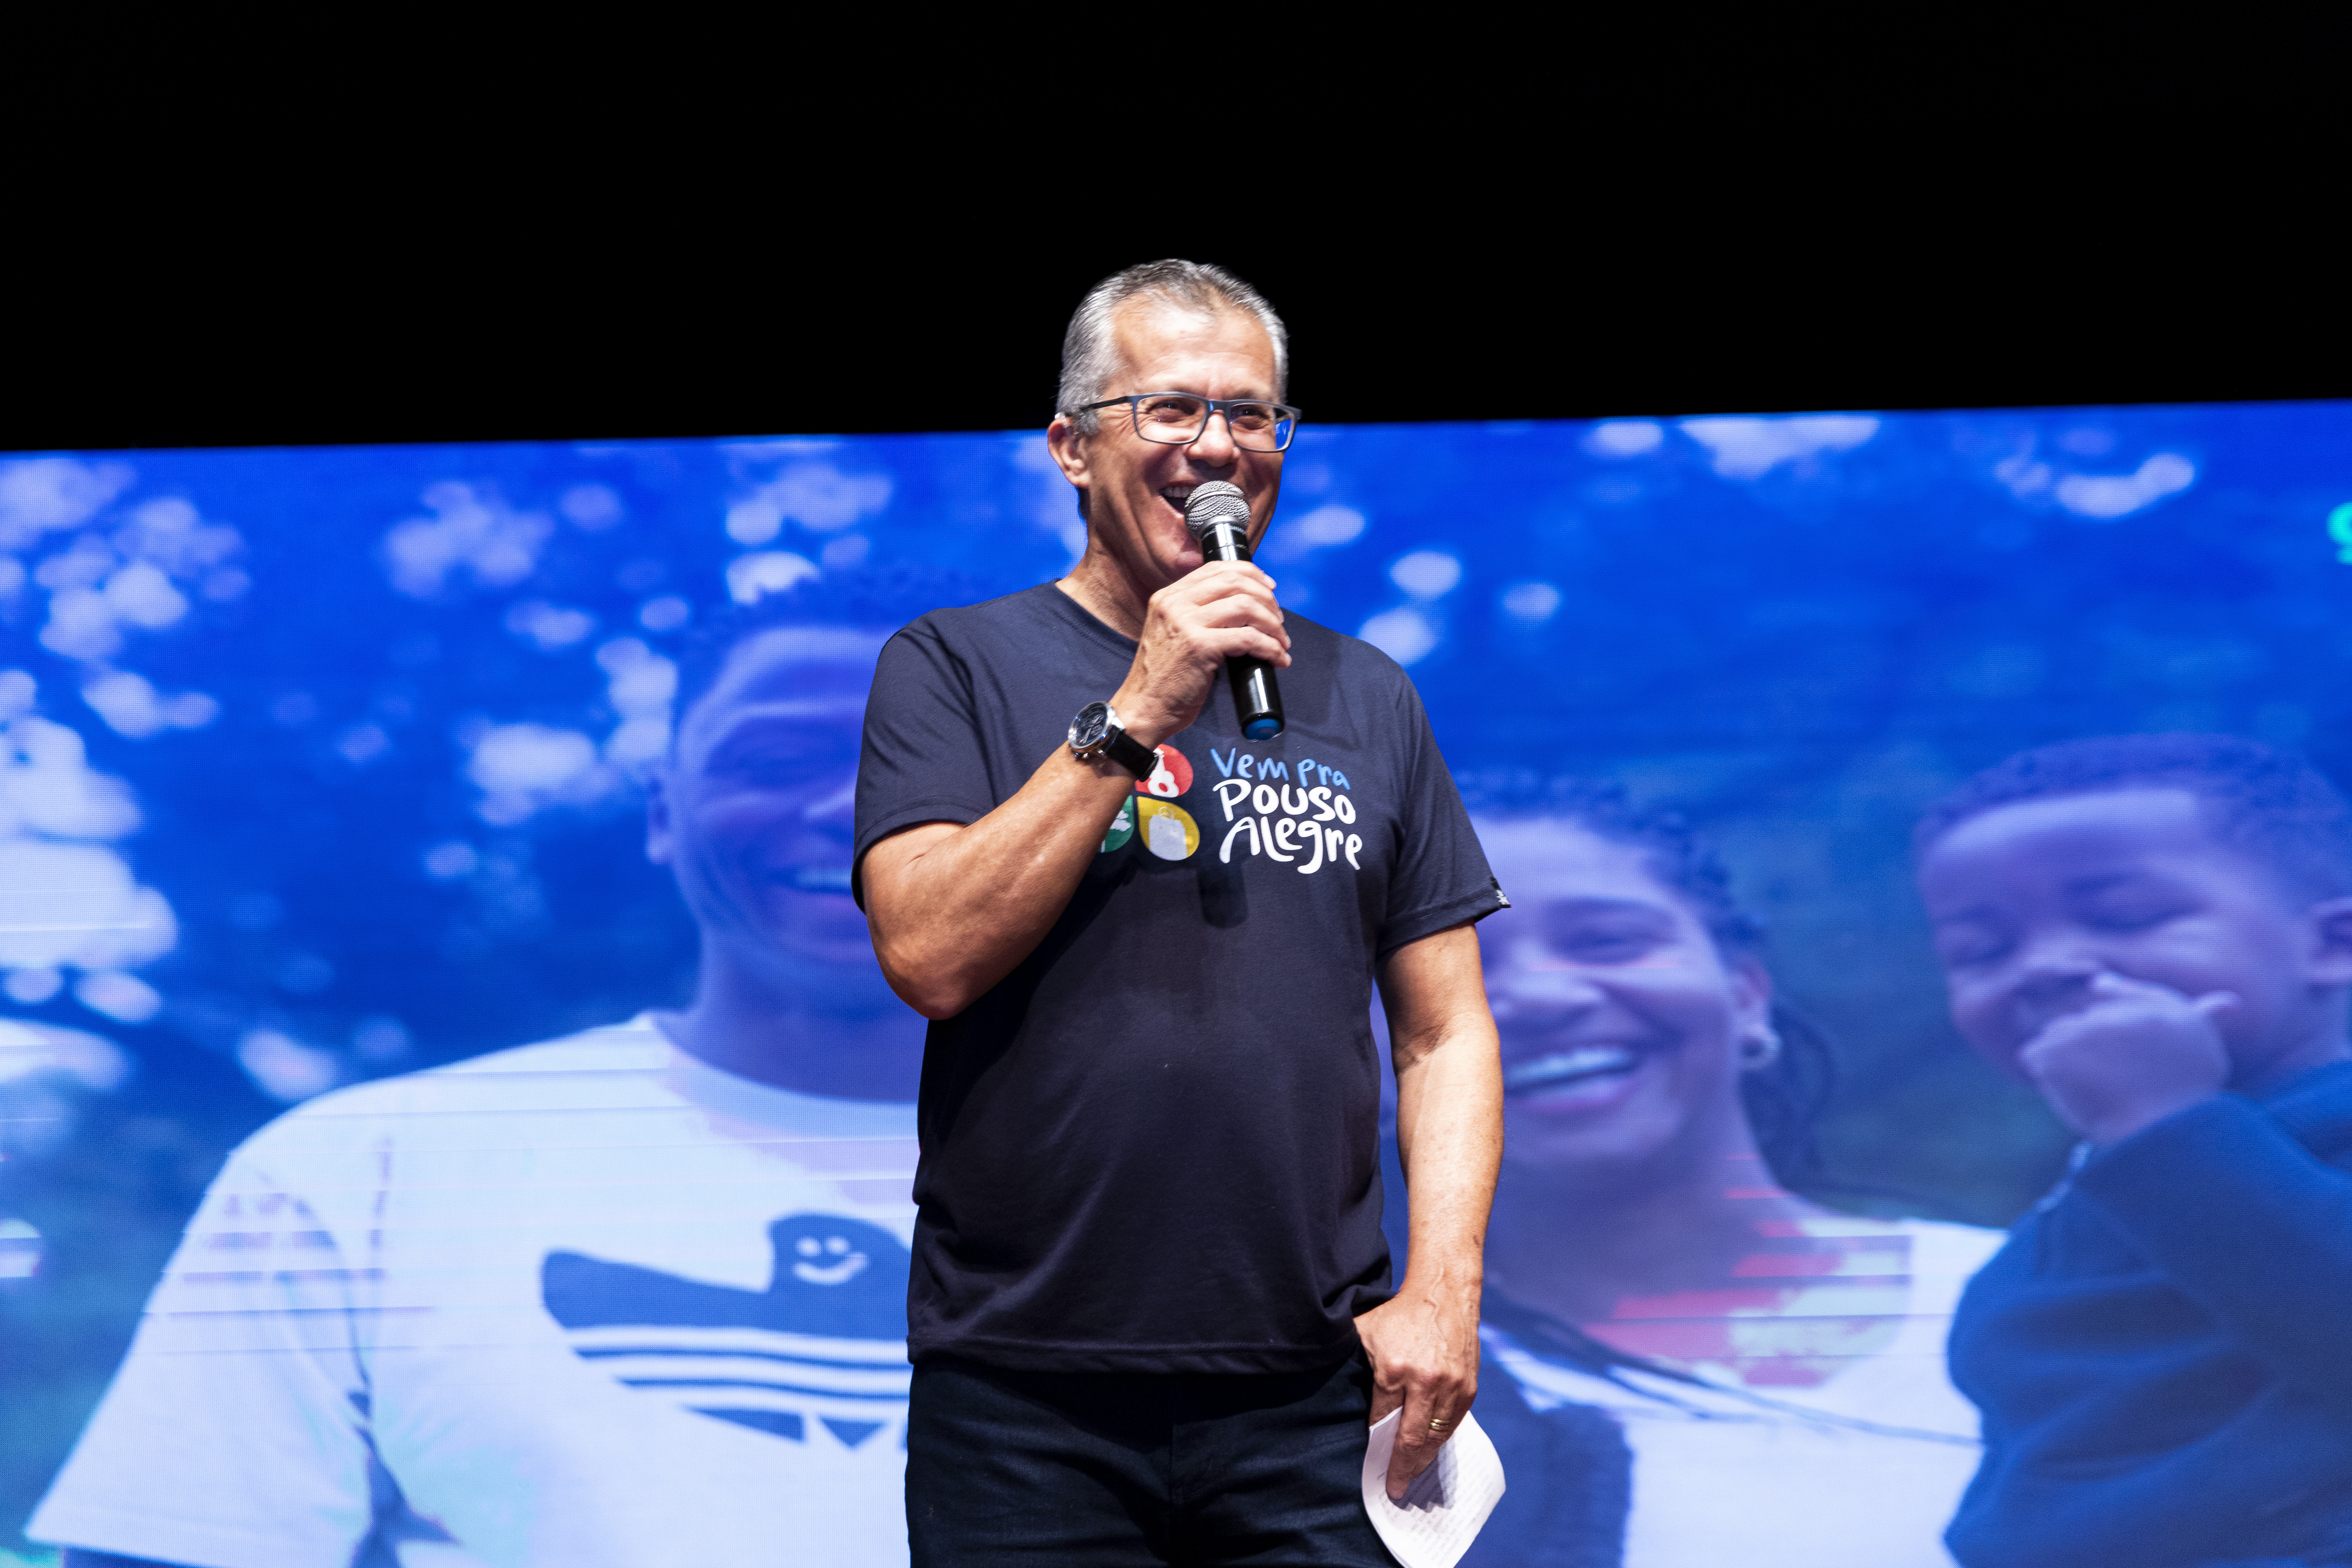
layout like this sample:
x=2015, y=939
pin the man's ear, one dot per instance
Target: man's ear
x=1067, y=444
x=2331, y=942
x=659, y=836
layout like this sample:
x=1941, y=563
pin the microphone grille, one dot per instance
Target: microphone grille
x=1216, y=502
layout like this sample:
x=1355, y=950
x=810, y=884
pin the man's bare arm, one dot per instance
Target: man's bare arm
x=1424, y=1343
x=955, y=908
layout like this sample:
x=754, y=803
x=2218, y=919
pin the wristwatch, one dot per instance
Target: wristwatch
x=1097, y=732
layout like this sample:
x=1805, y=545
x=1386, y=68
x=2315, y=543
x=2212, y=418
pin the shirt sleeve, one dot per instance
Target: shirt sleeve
x=1442, y=877
x=235, y=1432
x=920, y=758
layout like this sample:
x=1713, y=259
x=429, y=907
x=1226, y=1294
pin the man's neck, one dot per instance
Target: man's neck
x=1104, y=590
x=871, y=1049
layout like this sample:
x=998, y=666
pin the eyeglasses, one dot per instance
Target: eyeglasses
x=1179, y=418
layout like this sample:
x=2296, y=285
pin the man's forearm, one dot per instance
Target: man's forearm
x=1449, y=1137
x=1424, y=1341
x=954, y=908
x=1449, y=1109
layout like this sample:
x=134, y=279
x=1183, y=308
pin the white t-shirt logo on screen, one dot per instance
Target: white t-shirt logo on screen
x=824, y=1344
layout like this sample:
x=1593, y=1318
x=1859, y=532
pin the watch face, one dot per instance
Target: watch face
x=1088, y=729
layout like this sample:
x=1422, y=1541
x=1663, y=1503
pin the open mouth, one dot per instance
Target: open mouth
x=1589, y=1068
x=1177, y=495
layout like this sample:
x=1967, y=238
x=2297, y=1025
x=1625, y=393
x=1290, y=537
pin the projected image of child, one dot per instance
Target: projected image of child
x=2156, y=932
x=636, y=1295
x=1687, y=1362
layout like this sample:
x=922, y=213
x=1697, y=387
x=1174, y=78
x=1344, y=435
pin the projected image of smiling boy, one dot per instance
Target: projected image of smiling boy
x=2156, y=932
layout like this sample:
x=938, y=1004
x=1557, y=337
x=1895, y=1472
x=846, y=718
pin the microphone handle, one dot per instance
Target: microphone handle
x=1257, y=701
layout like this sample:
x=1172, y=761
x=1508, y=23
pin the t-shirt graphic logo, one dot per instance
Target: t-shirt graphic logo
x=1169, y=830
x=826, y=1342
x=1171, y=775
x=1285, y=823
x=832, y=1261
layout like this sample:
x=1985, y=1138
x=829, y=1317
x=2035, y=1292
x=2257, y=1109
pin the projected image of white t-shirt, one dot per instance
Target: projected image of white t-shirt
x=1861, y=1471
x=587, y=1302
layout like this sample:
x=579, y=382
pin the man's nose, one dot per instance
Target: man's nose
x=1214, y=444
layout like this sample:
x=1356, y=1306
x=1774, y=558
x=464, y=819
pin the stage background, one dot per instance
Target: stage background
x=319, y=762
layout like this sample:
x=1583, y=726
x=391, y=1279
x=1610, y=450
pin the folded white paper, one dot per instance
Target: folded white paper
x=1445, y=1505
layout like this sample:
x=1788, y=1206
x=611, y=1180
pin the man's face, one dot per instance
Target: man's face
x=2029, y=903
x=1136, y=489
x=753, y=813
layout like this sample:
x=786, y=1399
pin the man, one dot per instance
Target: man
x=1149, y=1313
x=634, y=1296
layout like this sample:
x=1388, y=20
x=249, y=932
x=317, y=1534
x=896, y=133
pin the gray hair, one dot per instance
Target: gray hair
x=1091, y=358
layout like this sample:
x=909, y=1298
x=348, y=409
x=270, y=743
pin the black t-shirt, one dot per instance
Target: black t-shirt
x=1153, y=1146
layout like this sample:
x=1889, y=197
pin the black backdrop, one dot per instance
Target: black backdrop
x=496, y=320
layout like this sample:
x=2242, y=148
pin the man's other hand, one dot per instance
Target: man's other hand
x=1221, y=610
x=1424, y=1347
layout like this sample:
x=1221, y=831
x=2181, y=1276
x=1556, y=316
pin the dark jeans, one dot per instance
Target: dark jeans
x=1092, y=1468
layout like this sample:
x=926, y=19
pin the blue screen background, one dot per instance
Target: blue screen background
x=331, y=750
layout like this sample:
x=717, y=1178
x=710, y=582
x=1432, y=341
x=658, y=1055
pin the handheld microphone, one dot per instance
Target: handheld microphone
x=1218, y=518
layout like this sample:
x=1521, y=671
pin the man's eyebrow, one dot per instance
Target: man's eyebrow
x=1180, y=392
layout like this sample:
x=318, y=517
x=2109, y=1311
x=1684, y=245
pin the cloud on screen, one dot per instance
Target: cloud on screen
x=471, y=534
x=1295, y=538
x=1741, y=448
x=1625, y=438
x=1404, y=634
x=524, y=768
x=47, y=1073
x=815, y=495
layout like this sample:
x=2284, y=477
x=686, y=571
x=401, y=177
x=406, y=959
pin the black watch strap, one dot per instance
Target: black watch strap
x=1130, y=754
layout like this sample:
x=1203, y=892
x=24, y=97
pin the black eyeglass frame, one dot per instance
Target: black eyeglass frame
x=1287, y=417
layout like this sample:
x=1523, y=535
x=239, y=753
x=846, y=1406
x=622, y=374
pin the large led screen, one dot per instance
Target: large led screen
x=324, y=792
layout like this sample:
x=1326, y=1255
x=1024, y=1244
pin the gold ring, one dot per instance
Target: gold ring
x=1437, y=1425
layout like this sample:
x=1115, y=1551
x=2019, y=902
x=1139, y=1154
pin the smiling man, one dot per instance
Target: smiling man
x=632, y=1297
x=1150, y=1313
